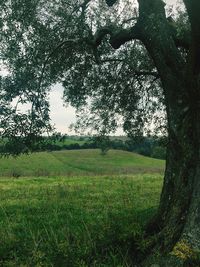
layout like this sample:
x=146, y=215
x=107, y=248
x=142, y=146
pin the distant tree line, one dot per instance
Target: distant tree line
x=152, y=146
x=148, y=146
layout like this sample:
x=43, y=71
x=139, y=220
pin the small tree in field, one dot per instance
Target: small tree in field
x=103, y=142
x=131, y=63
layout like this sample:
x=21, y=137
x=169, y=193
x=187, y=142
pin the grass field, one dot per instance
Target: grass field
x=75, y=208
x=79, y=162
x=74, y=222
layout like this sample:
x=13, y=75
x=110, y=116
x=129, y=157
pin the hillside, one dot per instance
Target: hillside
x=79, y=162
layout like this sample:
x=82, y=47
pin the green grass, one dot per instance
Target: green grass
x=75, y=208
x=79, y=163
x=77, y=221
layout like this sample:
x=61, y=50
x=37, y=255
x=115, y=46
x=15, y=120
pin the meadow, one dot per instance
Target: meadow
x=79, y=162
x=88, y=218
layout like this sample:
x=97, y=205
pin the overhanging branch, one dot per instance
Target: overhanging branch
x=118, y=36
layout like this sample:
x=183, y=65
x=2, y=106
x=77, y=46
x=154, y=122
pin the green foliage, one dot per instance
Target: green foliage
x=148, y=146
x=78, y=221
x=28, y=37
x=151, y=146
x=43, y=44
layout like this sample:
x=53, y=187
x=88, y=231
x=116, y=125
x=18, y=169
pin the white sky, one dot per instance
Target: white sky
x=170, y=2
x=61, y=115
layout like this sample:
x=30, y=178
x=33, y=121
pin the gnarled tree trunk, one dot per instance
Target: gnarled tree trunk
x=176, y=226
x=178, y=216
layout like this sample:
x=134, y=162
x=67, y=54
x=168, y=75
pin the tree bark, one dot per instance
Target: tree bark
x=178, y=218
x=176, y=226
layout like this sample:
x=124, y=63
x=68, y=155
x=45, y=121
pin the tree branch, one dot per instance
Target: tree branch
x=147, y=73
x=118, y=36
x=135, y=71
x=121, y=36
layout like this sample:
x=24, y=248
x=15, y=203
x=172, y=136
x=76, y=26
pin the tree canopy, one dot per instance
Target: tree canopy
x=74, y=43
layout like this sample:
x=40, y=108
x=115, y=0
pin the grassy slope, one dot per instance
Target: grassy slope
x=79, y=162
x=75, y=222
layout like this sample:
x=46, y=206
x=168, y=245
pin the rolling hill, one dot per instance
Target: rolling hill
x=79, y=162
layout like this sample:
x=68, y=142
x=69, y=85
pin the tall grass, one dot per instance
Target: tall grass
x=74, y=222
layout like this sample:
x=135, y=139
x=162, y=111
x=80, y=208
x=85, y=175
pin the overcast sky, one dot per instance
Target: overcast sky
x=61, y=116
x=170, y=2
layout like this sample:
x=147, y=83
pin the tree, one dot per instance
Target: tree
x=103, y=142
x=129, y=65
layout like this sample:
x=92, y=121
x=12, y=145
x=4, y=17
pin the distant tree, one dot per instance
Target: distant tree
x=142, y=145
x=103, y=142
x=133, y=65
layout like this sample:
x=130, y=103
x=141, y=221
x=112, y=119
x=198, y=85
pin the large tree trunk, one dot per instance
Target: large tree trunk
x=178, y=218
x=177, y=223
